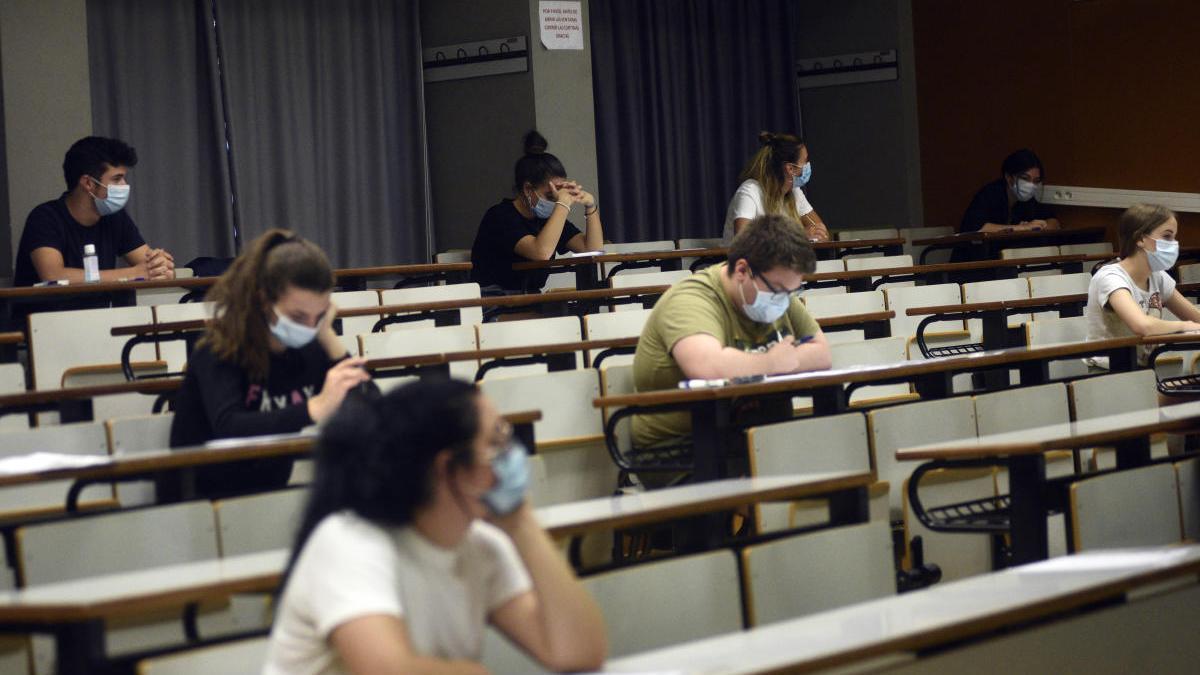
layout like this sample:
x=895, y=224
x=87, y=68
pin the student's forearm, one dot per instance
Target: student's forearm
x=423, y=665
x=75, y=274
x=730, y=362
x=594, y=231
x=547, y=239
x=572, y=624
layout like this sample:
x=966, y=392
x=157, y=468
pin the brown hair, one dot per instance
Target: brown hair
x=253, y=283
x=766, y=167
x=772, y=241
x=1138, y=221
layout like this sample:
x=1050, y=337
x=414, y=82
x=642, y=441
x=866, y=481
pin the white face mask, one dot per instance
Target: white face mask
x=1025, y=190
x=292, y=334
x=118, y=196
x=1163, y=256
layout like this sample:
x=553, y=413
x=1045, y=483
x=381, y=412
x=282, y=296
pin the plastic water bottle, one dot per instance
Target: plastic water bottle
x=91, y=264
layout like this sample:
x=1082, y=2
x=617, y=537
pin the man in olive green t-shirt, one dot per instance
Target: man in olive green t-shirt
x=736, y=319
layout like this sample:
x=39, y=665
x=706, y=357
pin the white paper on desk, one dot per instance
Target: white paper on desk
x=585, y=254
x=308, y=432
x=46, y=461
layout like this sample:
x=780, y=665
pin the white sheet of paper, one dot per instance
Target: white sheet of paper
x=45, y=461
x=562, y=23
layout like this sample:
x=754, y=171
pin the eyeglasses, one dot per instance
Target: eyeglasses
x=771, y=287
x=502, y=440
x=1030, y=179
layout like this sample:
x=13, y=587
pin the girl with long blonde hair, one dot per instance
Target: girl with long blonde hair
x=772, y=184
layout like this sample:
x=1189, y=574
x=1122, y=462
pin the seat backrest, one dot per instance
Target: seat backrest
x=610, y=325
x=12, y=381
x=902, y=298
x=617, y=379
x=564, y=398
x=118, y=542
x=664, y=603
x=912, y=234
x=526, y=333
x=713, y=242
x=1059, y=284
x=468, y=316
x=1095, y=248
x=1187, y=476
x=62, y=340
x=1096, y=397
x=1136, y=507
x=825, y=290
x=1189, y=273
x=823, y=306
x=84, y=438
x=876, y=351
x=642, y=278
x=353, y=326
x=1029, y=252
x=901, y=426
x=454, y=255
x=133, y=435
x=184, y=311
x=867, y=233
x=839, y=566
x=818, y=444
x=1048, y=329
x=635, y=247
x=825, y=266
x=1021, y=408
x=990, y=291
x=878, y=262
x=425, y=340
x=241, y=657
x=260, y=522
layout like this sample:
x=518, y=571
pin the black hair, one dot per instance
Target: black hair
x=536, y=166
x=1021, y=161
x=88, y=156
x=375, y=455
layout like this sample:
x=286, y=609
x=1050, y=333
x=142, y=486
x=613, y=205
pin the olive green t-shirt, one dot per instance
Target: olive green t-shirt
x=695, y=305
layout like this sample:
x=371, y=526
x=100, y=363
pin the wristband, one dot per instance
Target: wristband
x=587, y=213
x=564, y=205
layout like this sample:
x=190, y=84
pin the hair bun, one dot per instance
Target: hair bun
x=535, y=143
x=766, y=138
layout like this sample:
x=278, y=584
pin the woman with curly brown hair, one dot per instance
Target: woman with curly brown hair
x=270, y=362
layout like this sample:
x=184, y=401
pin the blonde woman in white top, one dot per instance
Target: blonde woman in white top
x=772, y=184
x=415, y=537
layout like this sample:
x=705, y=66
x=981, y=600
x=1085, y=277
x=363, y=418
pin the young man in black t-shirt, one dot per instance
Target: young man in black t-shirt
x=91, y=211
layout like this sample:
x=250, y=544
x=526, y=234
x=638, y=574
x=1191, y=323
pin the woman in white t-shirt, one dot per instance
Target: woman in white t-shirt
x=416, y=535
x=1128, y=297
x=772, y=184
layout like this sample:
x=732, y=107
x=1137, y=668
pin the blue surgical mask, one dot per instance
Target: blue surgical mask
x=292, y=334
x=767, y=306
x=1163, y=256
x=117, y=197
x=511, y=468
x=805, y=174
x=542, y=208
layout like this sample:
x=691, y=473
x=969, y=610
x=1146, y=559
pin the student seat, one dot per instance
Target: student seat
x=1095, y=248
x=1029, y=252
x=1051, y=330
x=467, y=316
x=240, y=657
x=877, y=351
x=866, y=233
x=353, y=326
x=134, y=435
x=82, y=438
x=1135, y=507
x=526, y=333
x=1096, y=397
x=817, y=571
x=610, y=325
x=12, y=381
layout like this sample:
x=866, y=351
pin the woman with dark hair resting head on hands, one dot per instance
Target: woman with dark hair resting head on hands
x=417, y=535
x=532, y=224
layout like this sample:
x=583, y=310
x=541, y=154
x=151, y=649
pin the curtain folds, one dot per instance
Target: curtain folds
x=303, y=114
x=682, y=88
x=155, y=86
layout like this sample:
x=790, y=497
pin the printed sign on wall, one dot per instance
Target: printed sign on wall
x=562, y=24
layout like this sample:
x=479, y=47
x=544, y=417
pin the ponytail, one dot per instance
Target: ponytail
x=766, y=168
x=245, y=292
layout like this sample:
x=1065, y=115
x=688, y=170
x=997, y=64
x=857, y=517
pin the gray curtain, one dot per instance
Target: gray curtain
x=682, y=88
x=6, y=251
x=155, y=86
x=325, y=110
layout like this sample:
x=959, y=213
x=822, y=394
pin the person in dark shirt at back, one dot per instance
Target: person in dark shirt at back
x=270, y=362
x=533, y=225
x=1010, y=204
x=91, y=211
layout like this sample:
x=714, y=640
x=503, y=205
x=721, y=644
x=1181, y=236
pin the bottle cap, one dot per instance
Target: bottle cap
x=89, y=249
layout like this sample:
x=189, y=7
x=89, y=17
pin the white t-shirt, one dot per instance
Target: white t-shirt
x=1103, y=322
x=350, y=568
x=748, y=203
